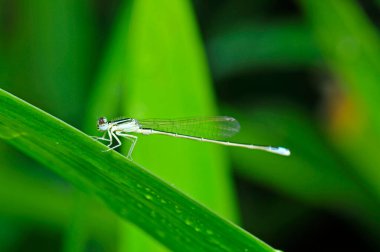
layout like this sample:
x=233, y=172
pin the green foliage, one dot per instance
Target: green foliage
x=152, y=60
x=128, y=189
x=229, y=53
x=300, y=74
x=352, y=47
x=313, y=173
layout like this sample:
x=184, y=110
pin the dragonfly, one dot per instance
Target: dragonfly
x=205, y=129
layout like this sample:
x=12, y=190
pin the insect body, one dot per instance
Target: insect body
x=205, y=129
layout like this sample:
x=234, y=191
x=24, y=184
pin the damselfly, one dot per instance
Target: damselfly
x=205, y=129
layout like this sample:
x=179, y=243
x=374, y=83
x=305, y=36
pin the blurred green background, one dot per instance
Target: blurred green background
x=301, y=74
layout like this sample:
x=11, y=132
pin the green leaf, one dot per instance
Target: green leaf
x=155, y=67
x=131, y=191
x=284, y=45
x=167, y=77
x=351, y=47
x=46, y=205
x=51, y=49
x=313, y=174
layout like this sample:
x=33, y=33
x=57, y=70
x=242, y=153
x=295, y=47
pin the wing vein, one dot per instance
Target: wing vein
x=217, y=127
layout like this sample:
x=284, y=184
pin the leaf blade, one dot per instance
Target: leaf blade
x=131, y=191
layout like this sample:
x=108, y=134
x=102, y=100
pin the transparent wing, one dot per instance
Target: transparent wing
x=217, y=127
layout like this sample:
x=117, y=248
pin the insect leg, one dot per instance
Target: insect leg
x=101, y=138
x=131, y=138
x=110, y=134
x=117, y=139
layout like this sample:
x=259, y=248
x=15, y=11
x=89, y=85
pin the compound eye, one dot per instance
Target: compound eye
x=102, y=121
